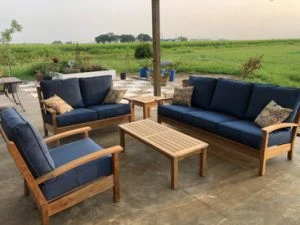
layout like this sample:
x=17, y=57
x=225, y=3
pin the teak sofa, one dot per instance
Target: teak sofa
x=86, y=96
x=223, y=113
x=60, y=177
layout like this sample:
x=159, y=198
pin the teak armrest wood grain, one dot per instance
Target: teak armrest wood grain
x=263, y=154
x=78, y=162
x=55, y=129
x=57, y=137
x=50, y=207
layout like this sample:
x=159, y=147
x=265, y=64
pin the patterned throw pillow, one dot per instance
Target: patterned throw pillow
x=58, y=104
x=114, y=96
x=272, y=114
x=183, y=96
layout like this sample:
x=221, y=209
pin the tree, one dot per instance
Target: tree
x=181, y=38
x=127, y=38
x=57, y=42
x=5, y=39
x=109, y=37
x=144, y=37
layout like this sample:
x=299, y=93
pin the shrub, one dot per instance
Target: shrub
x=251, y=65
x=143, y=51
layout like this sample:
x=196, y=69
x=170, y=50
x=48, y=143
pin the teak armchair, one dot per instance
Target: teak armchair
x=47, y=204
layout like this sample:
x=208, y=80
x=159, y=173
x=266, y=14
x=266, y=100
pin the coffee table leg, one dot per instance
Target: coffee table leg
x=203, y=157
x=174, y=173
x=122, y=139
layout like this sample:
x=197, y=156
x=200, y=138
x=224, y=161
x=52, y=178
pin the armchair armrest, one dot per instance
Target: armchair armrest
x=279, y=126
x=57, y=137
x=78, y=162
x=49, y=110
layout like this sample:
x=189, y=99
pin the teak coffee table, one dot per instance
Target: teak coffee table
x=173, y=144
x=146, y=102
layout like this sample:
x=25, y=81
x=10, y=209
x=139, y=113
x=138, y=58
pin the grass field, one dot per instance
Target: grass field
x=281, y=61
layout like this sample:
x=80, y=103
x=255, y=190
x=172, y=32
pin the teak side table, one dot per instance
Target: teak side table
x=146, y=102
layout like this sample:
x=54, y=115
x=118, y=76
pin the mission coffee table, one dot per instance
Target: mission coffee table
x=173, y=144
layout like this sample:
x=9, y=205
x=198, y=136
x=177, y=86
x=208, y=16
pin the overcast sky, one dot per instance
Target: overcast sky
x=82, y=20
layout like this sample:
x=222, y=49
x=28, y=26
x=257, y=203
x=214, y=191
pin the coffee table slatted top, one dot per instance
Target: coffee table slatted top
x=167, y=140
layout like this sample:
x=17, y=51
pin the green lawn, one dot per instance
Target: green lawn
x=281, y=61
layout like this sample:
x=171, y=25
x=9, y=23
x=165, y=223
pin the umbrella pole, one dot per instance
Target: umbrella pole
x=156, y=46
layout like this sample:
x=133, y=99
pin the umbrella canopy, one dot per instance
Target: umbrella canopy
x=156, y=46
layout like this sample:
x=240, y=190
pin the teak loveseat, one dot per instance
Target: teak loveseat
x=60, y=177
x=223, y=113
x=86, y=96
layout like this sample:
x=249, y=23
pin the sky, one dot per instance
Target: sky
x=81, y=21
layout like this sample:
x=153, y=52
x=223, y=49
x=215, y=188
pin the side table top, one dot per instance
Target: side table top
x=7, y=80
x=147, y=99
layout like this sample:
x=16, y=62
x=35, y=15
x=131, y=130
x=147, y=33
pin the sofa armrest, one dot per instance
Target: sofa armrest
x=57, y=137
x=78, y=162
x=279, y=126
x=267, y=130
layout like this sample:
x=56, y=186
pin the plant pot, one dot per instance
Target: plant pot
x=163, y=80
x=172, y=75
x=144, y=72
x=123, y=76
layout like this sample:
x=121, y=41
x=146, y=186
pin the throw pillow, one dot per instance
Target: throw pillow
x=183, y=96
x=272, y=114
x=58, y=104
x=114, y=96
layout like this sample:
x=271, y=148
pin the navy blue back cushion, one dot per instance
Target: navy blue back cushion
x=94, y=89
x=204, y=88
x=68, y=90
x=262, y=94
x=231, y=97
x=28, y=141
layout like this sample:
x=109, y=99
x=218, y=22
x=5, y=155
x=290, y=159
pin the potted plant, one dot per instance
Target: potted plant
x=171, y=68
x=164, y=77
x=144, y=70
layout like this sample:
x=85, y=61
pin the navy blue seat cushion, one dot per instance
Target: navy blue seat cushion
x=247, y=133
x=28, y=141
x=204, y=88
x=68, y=90
x=206, y=120
x=76, y=116
x=175, y=112
x=79, y=175
x=263, y=94
x=94, y=89
x=110, y=110
x=231, y=97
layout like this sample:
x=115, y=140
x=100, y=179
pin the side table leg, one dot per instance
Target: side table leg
x=145, y=111
x=174, y=173
x=203, y=157
x=122, y=139
x=148, y=111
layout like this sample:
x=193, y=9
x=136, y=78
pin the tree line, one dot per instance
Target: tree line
x=111, y=37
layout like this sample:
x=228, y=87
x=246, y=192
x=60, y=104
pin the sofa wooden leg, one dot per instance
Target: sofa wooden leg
x=26, y=189
x=46, y=132
x=290, y=154
x=44, y=217
x=262, y=167
x=116, y=188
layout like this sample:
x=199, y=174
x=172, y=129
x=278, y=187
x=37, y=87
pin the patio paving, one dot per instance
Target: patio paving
x=230, y=194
